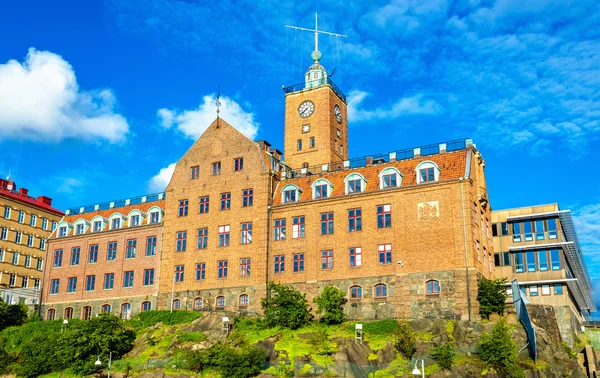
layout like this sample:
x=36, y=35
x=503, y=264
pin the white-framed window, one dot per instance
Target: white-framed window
x=7, y=212
x=116, y=221
x=98, y=223
x=27, y=261
x=1, y=255
x=33, y=220
x=427, y=171
x=42, y=243
x=30, y=240
x=18, y=236
x=321, y=188
x=4, y=233
x=21, y=216
x=290, y=193
x=44, y=224
x=155, y=215
x=12, y=282
x=135, y=218
x=15, y=259
x=80, y=226
x=390, y=178
x=355, y=183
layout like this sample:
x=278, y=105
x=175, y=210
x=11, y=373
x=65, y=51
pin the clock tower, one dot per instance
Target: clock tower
x=316, y=125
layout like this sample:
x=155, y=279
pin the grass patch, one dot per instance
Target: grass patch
x=450, y=325
x=425, y=336
x=149, y=318
x=254, y=329
x=194, y=337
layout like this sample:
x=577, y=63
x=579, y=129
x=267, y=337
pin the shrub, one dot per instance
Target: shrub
x=285, y=307
x=499, y=351
x=229, y=361
x=491, y=295
x=194, y=337
x=379, y=327
x=147, y=319
x=404, y=340
x=12, y=315
x=331, y=304
x=443, y=355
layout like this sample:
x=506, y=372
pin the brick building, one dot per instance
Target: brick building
x=25, y=224
x=105, y=258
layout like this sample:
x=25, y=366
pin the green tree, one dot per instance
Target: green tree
x=405, y=340
x=331, y=304
x=12, y=315
x=499, y=351
x=285, y=307
x=443, y=355
x=491, y=295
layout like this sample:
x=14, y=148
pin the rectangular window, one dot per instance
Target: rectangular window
x=30, y=240
x=427, y=174
x=245, y=266
x=72, y=285
x=533, y=290
x=44, y=224
x=183, y=208
x=543, y=260
x=225, y=201
x=151, y=246
x=299, y=145
x=202, y=242
x=238, y=164
x=289, y=195
x=128, y=279
x=326, y=259
x=203, y=205
x=62, y=232
x=327, y=223
x=32, y=220
x=390, y=180
x=15, y=258
x=494, y=229
x=545, y=289
x=531, y=265
x=519, y=266
x=6, y=212
x=36, y=283
x=54, y=224
x=279, y=229
x=385, y=253
x=247, y=197
x=79, y=229
x=298, y=263
x=4, y=233
x=354, y=220
x=216, y=168
x=539, y=230
x=503, y=228
x=179, y=273
x=223, y=236
x=1, y=255
x=246, y=233
x=384, y=216
x=109, y=281
x=111, y=252
x=27, y=261
x=21, y=216
x=12, y=281
x=181, y=241
x=40, y=263
x=135, y=220
x=57, y=258
x=116, y=223
x=154, y=217
x=555, y=259
x=54, y=284
x=25, y=281
x=321, y=191
x=148, y=277
x=355, y=256
x=131, y=247
x=97, y=226
x=42, y=243
x=93, y=254
x=516, y=229
x=279, y=264
x=222, y=269
x=298, y=227
x=528, y=231
x=75, y=252
x=312, y=142
x=90, y=283
x=558, y=289
x=200, y=271
x=497, y=261
x=18, y=236
x=354, y=186
x=552, y=231
x=194, y=172
x=506, y=258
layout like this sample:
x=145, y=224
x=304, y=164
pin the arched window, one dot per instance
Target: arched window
x=106, y=308
x=64, y=228
x=380, y=291
x=86, y=313
x=220, y=302
x=146, y=306
x=355, y=292
x=198, y=302
x=290, y=193
x=427, y=171
x=155, y=214
x=176, y=304
x=244, y=300
x=390, y=178
x=433, y=286
x=98, y=223
x=69, y=313
x=81, y=226
x=51, y=314
x=126, y=311
x=355, y=183
x=321, y=188
x=135, y=218
x=116, y=221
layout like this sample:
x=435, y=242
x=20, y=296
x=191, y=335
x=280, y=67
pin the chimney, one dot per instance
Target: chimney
x=276, y=153
x=45, y=200
x=264, y=145
x=11, y=185
x=369, y=160
x=23, y=191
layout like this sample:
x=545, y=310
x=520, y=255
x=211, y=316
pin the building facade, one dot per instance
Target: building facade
x=25, y=224
x=105, y=258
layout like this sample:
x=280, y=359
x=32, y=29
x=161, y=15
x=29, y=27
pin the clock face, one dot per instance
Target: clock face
x=305, y=128
x=306, y=109
x=338, y=113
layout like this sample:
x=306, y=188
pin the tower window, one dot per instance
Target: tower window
x=299, y=145
x=312, y=142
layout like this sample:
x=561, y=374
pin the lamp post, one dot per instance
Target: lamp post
x=416, y=372
x=64, y=326
x=98, y=362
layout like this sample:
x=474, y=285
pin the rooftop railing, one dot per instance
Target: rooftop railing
x=314, y=84
x=115, y=204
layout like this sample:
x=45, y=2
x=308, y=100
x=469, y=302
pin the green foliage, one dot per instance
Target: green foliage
x=194, y=337
x=320, y=342
x=405, y=340
x=12, y=315
x=230, y=361
x=5, y=360
x=285, y=307
x=491, y=295
x=499, y=351
x=569, y=350
x=379, y=327
x=147, y=319
x=443, y=355
x=331, y=303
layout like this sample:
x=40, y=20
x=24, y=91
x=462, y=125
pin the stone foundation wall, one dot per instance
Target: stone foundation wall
x=115, y=306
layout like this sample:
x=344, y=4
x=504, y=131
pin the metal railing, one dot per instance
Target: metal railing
x=313, y=84
x=116, y=204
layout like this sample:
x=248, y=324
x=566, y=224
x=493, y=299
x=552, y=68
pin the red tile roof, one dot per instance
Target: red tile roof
x=35, y=202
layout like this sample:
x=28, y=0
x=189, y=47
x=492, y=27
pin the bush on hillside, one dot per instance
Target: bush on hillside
x=147, y=319
x=499, y=351
x=443, y=355
x=405, y=340
x=491, y=295
x=235, y=362
x=12, y=315
x=331, y=304
x=285, y=307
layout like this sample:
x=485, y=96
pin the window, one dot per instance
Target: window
x=125, y=310
x=247, y=197
x=222, y=269
x=54, y=284
x=202, y=242
x=298, y=262
x=354, y=220
x=154, y=217
x=86, y=313
x=181, y=241
x=90, y=283
x=32, y=220
x=176, y=304
x=21, y=216
x=134, y=220
x=516, y=232
x=42, y=243
x=244, y=300
x=380, y=291
x=555, y=259
x=1, y=255
x=79, y=229
x=355, y=292
x=106, y=308
x=4, y=233
x=503, y=228
x=111, y=252
x=545, y=289
x=179, y=273
x=531, y=265
x=558, y=289
x=18, y=236
x=15, y=258
x=528, y=231
x=97, y=226
x=299, y=145
x=148, y=277
x=355, y=256
x=427, y=171
x=385, y=253
x=6, y=212
x=203, y=205
x=44, y=224
x=245, y=266
x=279, y=264
x=327, y=223
x=198, y=303
x=146, y=306
x=151, y=246
x=109, y=281
x=25, y=281
x=433, y=286
x=533, y=290
x=72, y=285
x=53, y=225
x=216, y=168
x=552, y=233
x=194, y=172
x=326, y=259
x=225, y=201
x=312, y=142
x=298, y=227
x=51, y=314
x=69, y=313
x=279, y=229
x=183, y=208
x=58, y=258
x=131, y=246
x=355, y=183
x=246, y=235
x=223, y=236
x=116, y=223
x=290, y=194
x=220, y=302
x=426, y=174
x=320, y=190
x=238, y=164
x=12, y=281
x=389, y=178
x=75, y=252
x=539, y=230
x=519, y=265
x=200, y=271
x=30, y=240
x=543, y=260
x=128, y=279
x=506, y=258
x=384, y=216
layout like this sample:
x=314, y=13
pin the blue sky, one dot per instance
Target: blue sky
x=108, y=95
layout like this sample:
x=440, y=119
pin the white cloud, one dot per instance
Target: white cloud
x=69, y=185
x=192, y=123
x=159, y=182
x=405, y=106
x=40, y=100
x=587, y=224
